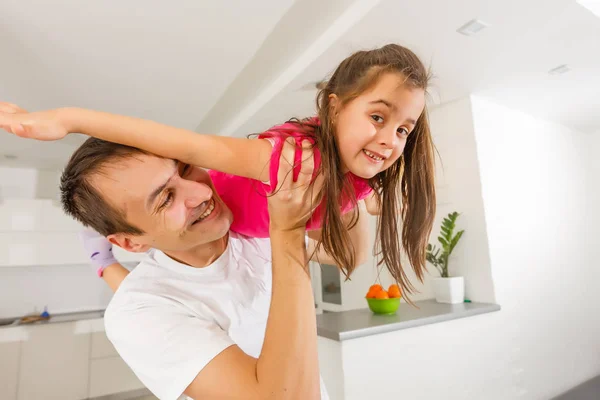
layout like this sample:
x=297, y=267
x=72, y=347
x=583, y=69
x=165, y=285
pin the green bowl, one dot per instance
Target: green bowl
x=384, y=306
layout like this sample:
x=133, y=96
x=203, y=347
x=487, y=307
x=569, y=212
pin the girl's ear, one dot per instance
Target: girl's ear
x=334, y=105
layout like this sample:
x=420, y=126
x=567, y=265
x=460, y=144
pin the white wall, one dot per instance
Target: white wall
x=18, y=182
x=47, y=186
x=594, y=181
x=42, y=262
x=62, y=288
x=458, y=186
x=355, y=290
x=458, y=183
x=537, y=182
x=539, y=189
x=29, y=183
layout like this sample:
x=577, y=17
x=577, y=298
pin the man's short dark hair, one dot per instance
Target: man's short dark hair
x=81, y=200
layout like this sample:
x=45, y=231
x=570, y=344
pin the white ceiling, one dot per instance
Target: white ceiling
x=237, y=67
x=508, y=61
x=166, y=61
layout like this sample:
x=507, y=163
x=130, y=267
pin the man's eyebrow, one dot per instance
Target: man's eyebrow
x=158, y=190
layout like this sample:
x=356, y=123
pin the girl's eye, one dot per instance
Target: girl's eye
x=403, y=131
x=377, y=118
x=167, y=201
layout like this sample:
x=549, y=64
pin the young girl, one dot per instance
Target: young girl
x=373, y=140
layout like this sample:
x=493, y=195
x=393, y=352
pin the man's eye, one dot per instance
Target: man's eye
x=167, y=201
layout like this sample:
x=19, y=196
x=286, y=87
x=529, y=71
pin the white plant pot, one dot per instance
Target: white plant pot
x=449, y=290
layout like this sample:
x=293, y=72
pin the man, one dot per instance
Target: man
x=206, y=314
x=203, y=315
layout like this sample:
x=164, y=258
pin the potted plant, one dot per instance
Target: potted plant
x=447, y=289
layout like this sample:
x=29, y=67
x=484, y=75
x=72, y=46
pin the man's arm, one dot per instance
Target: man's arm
x=287, y=367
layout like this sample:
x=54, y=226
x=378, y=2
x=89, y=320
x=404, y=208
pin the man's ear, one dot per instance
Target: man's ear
x=128, y=242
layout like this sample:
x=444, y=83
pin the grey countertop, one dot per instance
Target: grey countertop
x=55, y=318
x=343, y=325
x=354, y=324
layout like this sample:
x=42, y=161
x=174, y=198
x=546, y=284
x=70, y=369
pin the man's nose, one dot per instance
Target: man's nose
x=196, y=193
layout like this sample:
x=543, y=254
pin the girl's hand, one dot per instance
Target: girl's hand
x=293, y=201
x=98, y=249
x=43, y=125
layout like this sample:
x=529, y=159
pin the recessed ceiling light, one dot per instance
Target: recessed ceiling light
x=591, y=5
x=472, y=27
x=561, y=69
x=10, y=157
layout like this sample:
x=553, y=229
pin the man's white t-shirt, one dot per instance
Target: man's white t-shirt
x=168, y=320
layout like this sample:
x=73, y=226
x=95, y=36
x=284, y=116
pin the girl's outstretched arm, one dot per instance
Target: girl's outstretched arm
x=238, y=156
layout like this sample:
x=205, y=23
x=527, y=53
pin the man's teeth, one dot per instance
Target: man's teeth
x=208, y=211
x=373, y=156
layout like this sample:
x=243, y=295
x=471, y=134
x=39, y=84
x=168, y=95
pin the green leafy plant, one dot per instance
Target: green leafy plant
x=438, y=257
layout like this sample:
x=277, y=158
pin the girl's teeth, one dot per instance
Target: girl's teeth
x=373, y=156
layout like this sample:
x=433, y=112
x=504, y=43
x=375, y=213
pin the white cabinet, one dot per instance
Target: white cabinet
x=38, y=232
x=111, y=375
x=102, y=347
x=41, y=248
x=9, y=369
x=108, y=372
x=39, y=215
x=62, y=361
x=54, y=363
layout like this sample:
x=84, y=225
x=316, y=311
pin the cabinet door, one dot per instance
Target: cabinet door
x=110, y=376
x=102, y=347
x=54, y=363
x=9, y=369
x=108, y=372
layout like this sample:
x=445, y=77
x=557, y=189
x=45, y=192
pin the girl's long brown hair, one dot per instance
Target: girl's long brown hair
x=405, y=191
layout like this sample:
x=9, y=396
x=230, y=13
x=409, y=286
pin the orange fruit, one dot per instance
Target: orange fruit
x=376, y=287
x=382, y=294
x=394, y=291
x=373, y=290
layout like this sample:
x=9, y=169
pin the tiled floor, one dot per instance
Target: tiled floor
x=589, y=390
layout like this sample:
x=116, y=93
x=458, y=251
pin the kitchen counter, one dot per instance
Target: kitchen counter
x=354, y=324
x=11, y=329
x=54, y=318
x=338, y=326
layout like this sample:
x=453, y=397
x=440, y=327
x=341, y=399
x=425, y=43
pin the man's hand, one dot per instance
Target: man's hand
x=43, y=125
x=292, y=202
